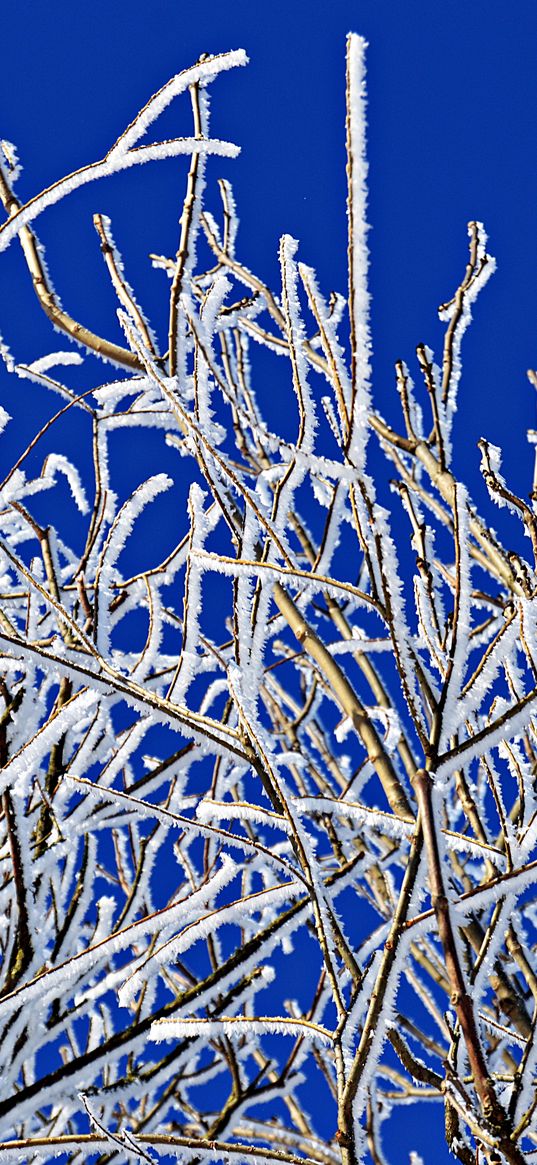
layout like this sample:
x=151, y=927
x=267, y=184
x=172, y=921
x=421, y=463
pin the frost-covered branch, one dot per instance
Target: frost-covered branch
x=258, y=714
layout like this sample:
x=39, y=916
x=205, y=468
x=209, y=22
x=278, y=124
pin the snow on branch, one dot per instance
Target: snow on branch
x=268, y=808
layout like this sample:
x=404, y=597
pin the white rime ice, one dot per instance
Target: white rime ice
x=359, y=297
x=239, y=1025
x=226, y=886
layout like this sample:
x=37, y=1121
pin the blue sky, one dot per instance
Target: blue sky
x=452, y=100
x=452, y=104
